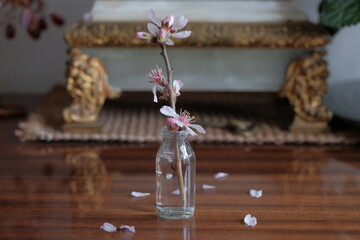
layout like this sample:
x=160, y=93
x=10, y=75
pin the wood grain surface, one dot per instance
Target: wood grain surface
x=67, y=190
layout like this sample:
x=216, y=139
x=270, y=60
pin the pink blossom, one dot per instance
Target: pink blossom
x=157, y=79
x=157, y=76
x=184, y=120
x=161, y=31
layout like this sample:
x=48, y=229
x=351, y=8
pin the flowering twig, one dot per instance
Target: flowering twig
x=161, y=33
x=169, y=72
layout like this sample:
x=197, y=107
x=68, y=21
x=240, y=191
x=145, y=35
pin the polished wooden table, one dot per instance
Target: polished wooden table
x=67, y=190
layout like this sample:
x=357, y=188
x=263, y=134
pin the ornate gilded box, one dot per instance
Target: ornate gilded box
x=263, y=45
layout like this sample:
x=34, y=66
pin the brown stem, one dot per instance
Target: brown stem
x=169, y=71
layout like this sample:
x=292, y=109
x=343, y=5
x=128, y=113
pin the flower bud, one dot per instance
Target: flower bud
x=169, y=21
x=144, y=36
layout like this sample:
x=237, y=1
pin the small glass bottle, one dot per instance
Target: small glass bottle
x=175, y=176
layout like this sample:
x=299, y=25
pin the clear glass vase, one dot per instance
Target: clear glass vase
x=175, y=176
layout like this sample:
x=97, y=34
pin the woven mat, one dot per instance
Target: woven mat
x=134, y=118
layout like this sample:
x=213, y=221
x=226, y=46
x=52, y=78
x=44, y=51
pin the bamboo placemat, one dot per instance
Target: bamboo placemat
x=134, y=118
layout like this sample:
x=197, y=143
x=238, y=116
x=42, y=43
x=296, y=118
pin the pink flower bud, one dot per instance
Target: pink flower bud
x=144, y=36
x=169, y=21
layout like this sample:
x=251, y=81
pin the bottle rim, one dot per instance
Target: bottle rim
x=165, y=132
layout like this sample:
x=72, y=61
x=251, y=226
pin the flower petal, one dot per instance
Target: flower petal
x=221, y=175
x=204, y=186
x=168, y=111
x=169, y=42
x=139, y=194
x=198, y=128
x=176, y=192
x=154, y=18
x=179, y=123
x=108, y=227
x=256, y=193
x=190, y=131
x=130, y=228
x=250, y=221
x=154, y=92
x=179, y=83
x=153, y=29
x=179, y=23
x=183, y=34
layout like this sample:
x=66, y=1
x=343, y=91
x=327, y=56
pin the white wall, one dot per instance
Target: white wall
x=35, y=66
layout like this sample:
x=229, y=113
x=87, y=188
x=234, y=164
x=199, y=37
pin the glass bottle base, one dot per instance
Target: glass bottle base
x=175, y=212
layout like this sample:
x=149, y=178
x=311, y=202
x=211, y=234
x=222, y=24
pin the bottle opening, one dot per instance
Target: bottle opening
x=165, y=132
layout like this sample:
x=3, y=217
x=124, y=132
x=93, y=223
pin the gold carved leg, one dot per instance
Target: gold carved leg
x=88, y=86
x=305, y=86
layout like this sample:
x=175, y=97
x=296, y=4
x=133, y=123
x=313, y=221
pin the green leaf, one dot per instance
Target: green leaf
x=339, y=13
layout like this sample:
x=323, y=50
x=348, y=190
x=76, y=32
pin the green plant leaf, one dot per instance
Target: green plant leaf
x=339, y=13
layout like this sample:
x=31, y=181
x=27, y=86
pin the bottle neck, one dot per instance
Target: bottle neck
x=172, y=135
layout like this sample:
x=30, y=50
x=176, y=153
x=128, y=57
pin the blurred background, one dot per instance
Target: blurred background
x=35, y=66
